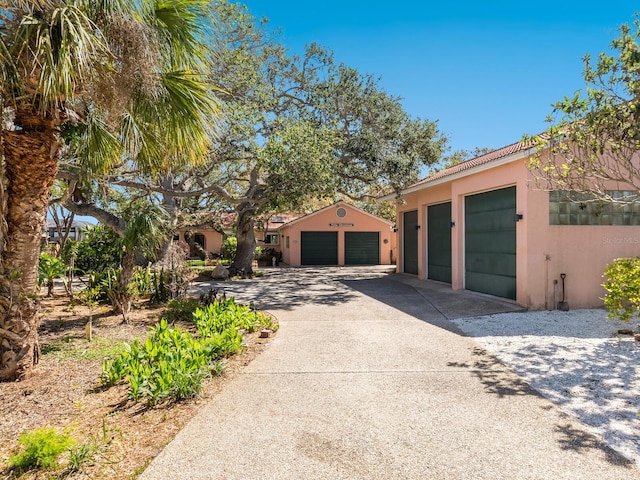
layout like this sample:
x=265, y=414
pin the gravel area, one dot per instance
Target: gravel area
x=578, y=360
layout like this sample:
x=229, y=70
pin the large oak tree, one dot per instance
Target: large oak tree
x=302, y=127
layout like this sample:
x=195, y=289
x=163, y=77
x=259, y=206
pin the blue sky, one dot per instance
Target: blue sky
x=487, y=71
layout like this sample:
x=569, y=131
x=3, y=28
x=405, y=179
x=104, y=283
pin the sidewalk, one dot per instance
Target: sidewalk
x=352, y=387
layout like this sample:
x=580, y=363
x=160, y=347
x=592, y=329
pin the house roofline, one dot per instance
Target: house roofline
x=444, y=177
x=339, y=202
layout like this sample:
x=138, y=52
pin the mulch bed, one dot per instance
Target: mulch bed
x=64, y=393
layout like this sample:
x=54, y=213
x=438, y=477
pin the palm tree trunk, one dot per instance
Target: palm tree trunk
x=31, y=164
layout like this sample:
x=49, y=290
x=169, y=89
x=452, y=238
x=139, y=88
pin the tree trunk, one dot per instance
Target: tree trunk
x=242, y=263
x=122, y=296
x=31, y=164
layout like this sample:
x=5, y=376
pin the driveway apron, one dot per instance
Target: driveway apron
x=367, y=379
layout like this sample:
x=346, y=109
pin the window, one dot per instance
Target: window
x=271, y=239
x=341, y=212
x=287, y=242
x=582, y=208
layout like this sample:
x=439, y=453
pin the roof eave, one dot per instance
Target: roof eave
x=470, y=171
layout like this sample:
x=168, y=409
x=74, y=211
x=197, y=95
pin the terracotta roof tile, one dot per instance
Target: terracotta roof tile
x=475, y=162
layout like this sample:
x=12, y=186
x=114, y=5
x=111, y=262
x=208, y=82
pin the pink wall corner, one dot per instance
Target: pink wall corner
x=213, y=239
x=581, y=252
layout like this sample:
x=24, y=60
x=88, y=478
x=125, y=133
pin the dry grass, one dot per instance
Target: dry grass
x=63, y=393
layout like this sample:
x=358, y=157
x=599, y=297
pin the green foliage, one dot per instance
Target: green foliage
x=229, y=248
x=142, y=283
x=80, y=456
x=160, y=287
x=172, y=363
x=40, y=449
x=181, y=309
x=622, y=299
x=50, y=268
x=99, y=250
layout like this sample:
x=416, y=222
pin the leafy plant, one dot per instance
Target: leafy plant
x=41, y=449
x=142, y=281
x=172, y=363
x=99, y=250
x=229, y=248
x=622, y=299
x=50, y=268
x=181, y=309
x=160, y=290
x=80, y=456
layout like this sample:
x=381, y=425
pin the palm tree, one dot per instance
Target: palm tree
x=144, y=233
x=121, y=75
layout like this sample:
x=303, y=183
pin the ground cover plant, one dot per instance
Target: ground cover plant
x=172, y=363
x=113, y=437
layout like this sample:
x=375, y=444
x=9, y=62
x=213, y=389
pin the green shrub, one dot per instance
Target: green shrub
x=622, y=299
x=181, y=310
x=172, y=363
x=99, y=250
x=229, y=248
x=142, y=282
x=42, y=447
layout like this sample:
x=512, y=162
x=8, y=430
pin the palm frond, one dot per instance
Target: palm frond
x=145, y=228
x=101, y=150
x=182, y=25
x=141, y=141
x=59, y=53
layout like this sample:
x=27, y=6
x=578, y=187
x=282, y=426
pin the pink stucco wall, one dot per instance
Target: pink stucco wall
x=543, y=251
x=213, y=239
x=321, y=221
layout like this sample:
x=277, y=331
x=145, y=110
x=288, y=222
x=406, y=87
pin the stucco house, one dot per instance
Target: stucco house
x=485, y=225
x=339, y=234
x=211, y=239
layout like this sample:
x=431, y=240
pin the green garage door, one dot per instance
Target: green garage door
x=361, y=248
x=439, y=242
x=490, y=242
x=319, y=248
x=410, y=241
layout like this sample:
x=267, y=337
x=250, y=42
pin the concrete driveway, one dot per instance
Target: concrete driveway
x=368, y=379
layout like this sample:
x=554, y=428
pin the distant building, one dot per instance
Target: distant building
x=75, y=232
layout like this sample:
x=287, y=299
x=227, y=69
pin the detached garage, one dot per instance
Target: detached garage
x=340, y=234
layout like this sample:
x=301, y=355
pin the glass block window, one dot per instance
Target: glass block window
x=582, y=208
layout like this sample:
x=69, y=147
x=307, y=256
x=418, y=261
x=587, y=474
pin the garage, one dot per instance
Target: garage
x=439, y=242
x=490, y=242
x=410, y=242
x=361, y=248
x=319, y=248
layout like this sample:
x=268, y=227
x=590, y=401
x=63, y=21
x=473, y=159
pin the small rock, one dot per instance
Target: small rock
x=625, y=331
x=637, y=337
x=265, y=333
x=220, y=273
